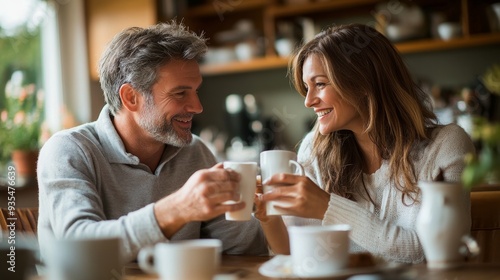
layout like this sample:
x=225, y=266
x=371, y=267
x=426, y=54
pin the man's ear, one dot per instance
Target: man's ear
x=130, y=97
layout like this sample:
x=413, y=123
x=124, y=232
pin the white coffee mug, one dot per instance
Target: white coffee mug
x=274, y=162
x=247, y=186
x=18, y=259
x=319, y=251
x=197, y=259
x=84, y=259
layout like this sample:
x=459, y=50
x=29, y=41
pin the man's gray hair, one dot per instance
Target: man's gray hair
x=135, y=54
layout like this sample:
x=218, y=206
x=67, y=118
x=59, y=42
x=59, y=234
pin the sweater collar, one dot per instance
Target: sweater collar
x=114, y=147
x=111, y=141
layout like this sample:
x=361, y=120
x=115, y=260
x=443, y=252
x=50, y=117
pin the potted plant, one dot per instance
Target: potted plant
x=484, y=168
x=20, y=126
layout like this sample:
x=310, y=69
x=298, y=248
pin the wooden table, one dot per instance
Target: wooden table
x=246, y=267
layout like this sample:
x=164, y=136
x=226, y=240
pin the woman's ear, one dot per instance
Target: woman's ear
x=130, y=97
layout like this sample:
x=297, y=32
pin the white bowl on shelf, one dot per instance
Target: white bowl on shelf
x=284, y=47
x=220, y=55
x=449, y=30
x=399, y=32
x=495, y=7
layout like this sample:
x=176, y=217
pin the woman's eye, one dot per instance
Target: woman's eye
x=320, y=85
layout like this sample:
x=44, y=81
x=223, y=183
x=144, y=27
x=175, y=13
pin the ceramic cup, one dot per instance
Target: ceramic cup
x=449, y=30
x=441, y=227
x=85, y=259
x=284, y=47
x=319, y=251
x=495, y=8
x=247, y=186
x=274, y=162
x=17, y=255
x=179, y=260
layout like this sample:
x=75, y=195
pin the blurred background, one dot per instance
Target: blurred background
x=50, y=50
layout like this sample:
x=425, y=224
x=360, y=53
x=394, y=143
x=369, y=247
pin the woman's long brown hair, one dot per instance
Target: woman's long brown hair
x=366, y=71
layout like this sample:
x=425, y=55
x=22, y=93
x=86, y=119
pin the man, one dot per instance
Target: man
x=138, y=172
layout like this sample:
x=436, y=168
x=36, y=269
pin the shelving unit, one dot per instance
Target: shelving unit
x=264, y=63
x=316, y=7
x=266, y=14
x=214, y=8
x=428, y=45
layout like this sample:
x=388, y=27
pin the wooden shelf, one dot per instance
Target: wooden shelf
x=314, y=7
x=272, y=11
x=212, y=9
x=425, y=45
x=428, y=45
x=244, y=66
x=486, y=188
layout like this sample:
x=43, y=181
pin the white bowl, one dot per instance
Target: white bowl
x=398, y=32
x=449, y=30
x=284, y=47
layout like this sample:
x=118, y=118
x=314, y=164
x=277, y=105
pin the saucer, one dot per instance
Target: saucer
x=281, y=267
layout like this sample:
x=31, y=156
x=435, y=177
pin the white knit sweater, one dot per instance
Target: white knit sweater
x=388, y=230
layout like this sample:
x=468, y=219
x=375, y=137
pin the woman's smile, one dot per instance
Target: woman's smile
x=323, y=113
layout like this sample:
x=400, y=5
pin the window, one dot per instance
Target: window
x=21, y=79
x=30, y=64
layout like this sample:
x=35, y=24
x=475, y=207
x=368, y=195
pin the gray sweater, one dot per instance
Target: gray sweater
x=90, y=186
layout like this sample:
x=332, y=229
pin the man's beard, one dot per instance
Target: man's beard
x=161, y=129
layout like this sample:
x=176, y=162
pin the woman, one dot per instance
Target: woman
x=375, y=137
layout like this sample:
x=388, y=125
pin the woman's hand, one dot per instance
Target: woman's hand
x=260, y=206
x=302, y=197
x=273, y=226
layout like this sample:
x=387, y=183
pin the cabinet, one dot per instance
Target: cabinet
x=216, y=17
x=106, y=18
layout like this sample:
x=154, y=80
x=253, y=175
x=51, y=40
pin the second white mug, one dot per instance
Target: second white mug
x=247, y=186
x=274, y=162
x=197, y=259
x=84, y=259
x=319, y=251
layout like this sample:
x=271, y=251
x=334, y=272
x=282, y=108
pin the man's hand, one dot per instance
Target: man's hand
x=200, y=199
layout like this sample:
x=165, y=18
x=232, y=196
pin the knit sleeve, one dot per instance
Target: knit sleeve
x=445, y=154
x=306, y=159
x=379, y=237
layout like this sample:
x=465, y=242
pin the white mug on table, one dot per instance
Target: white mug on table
x=247, y=186
x=319, y=251
x=197, y=259
x=274, y=162
x=85, y=259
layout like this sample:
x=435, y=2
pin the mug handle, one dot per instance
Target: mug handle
x=298, y=167
x=470, y=247
x=146, y=260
